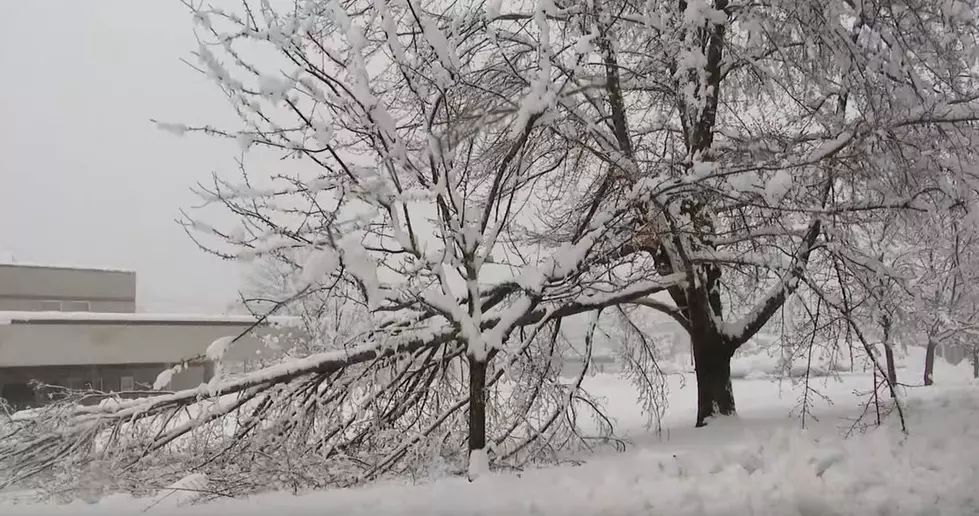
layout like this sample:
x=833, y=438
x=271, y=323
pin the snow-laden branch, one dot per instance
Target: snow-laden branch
x=740, y=332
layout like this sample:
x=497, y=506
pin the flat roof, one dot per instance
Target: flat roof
x=64, y=267
x=26, y=317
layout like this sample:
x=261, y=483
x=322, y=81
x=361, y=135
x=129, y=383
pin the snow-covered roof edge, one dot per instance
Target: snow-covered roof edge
x=24, y=317
x=59, y=267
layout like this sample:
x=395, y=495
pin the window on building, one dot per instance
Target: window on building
x=126, y=384
x=76, y=306
x=51, y=306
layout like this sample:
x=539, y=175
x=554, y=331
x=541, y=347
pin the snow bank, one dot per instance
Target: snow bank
x=782, y=471
x=759, y=463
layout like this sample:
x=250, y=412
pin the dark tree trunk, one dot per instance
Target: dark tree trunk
x=891, y=367
x=930, y=360
x=712, y=362
x=477, y=404
x=975, y=361
x=889, y=354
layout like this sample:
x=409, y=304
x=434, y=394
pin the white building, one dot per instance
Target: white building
x=77, y=328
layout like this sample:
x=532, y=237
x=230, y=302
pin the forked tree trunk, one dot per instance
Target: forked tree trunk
x=712, y=362
x=477, y=416
x=930, y=360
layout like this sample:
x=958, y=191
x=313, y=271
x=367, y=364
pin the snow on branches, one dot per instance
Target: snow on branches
x=464, y=180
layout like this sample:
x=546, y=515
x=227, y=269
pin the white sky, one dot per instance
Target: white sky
x=85, y=178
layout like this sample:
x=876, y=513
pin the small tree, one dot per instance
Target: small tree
x=947, y=295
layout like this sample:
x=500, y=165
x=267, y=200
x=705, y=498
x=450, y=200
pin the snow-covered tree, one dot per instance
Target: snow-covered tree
x=772, y=134
x=945, y=304
x=469, y=178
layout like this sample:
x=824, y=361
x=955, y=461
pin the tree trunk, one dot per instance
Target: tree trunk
x=930, y=360
x=891, y=367
x=477, y=417
x=712, y=362
x=975, y=361
x=889, y=354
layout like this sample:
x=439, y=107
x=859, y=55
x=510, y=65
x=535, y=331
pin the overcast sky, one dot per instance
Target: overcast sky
x=85, y=178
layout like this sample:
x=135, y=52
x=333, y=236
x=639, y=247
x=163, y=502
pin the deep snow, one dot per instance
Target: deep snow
x=761, y=463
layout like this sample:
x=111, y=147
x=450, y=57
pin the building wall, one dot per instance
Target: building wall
x=38, y=304
x=31, y=288
x=53, y=343
x=18, y=388
x=106, y=378
x=96, y=351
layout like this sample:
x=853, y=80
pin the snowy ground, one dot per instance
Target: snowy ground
x=759, y=463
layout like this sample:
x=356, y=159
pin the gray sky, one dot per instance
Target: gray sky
x=85, y=177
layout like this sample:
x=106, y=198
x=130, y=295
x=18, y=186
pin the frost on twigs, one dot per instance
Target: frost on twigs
x=458, y=188
x=182, y=492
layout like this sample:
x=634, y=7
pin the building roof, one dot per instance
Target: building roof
x=24, y=317
x=11, y=263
